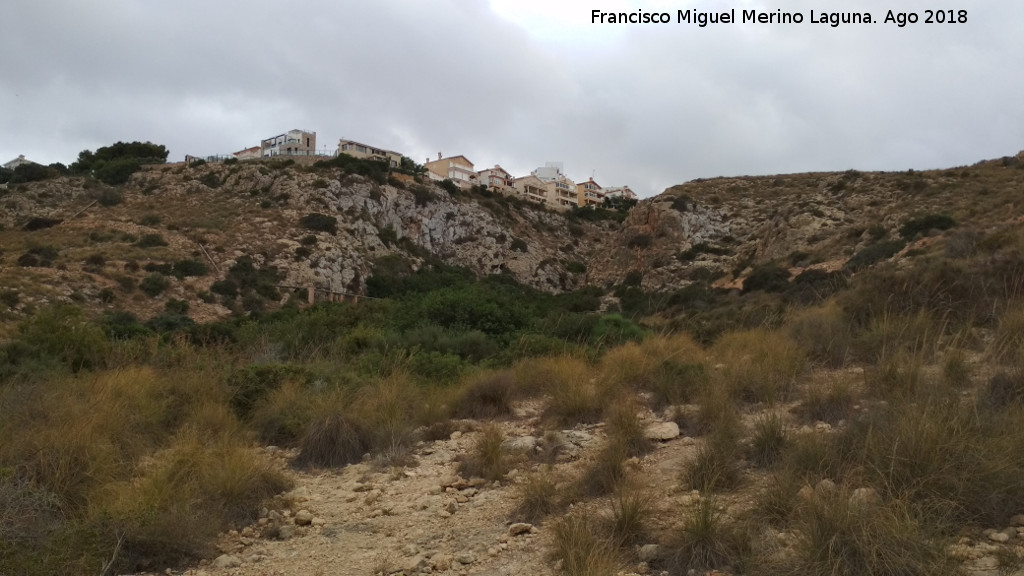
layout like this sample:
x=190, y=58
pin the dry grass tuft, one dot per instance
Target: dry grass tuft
x=607, y=471
x=486, y=395
x=830, y=403
x=487, y=460
x=623, y=423
x=581, y=549
x=768, y=440
x=706, y=541
x=716, y=465
x=541, y=494
x=758, y=366
x=824, y=333
x=630, y=515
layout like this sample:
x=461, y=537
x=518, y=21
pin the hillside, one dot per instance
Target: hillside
x=808, y=375
x=710, y=231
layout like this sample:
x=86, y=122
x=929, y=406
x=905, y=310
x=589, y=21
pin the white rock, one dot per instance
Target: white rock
x=519, y=528
x=662, y=431
x=649, y=552
x=227, y=561
x=304, y=517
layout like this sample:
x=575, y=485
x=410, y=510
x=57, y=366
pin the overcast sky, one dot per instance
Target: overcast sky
x=518, y=83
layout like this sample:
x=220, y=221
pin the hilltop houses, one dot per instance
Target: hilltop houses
x=547, y=184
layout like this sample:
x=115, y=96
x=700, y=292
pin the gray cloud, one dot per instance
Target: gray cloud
x=650, y=106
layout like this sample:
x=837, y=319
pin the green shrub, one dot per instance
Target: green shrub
x=151, y=241
x=10, y=298
x=924, y=224
x=188, y=268
x=874, y=253
x=320, y=223
x=769, y=278
x=640, y=241
x=110, y=197
x=250, y=384
x=154, y=284
x=38, y=257
x=575, y=267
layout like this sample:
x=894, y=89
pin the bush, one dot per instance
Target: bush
x=320, y=223
x=925, y=224
x=151, y=241
x=769, y=278
x=874, y=253
x=486, y=395
x=332, y=440
x=62, y=333
x=187, y=268
x=116, y=172
x=10, y=298
x=154, y=284
x=575, y=267
x=422, y=195
x=640, y=241
x=250, y=384
x=38, y=257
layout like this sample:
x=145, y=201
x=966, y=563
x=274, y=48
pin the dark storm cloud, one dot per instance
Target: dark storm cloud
x=650, y=106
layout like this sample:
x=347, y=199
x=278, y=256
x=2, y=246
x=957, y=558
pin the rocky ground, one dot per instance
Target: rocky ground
x=371, y=519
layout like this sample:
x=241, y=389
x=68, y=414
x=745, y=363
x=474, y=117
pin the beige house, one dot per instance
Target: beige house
x=532, y=188
x=589, y=193
x=620, y=192
x=249, y=153
x=293, y=143
x=458, y=169
x=497, y=179
x=561, y=190
x=359, y=150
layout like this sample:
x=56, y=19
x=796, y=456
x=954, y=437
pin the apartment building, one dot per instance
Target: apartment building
x=359, y=150
x=292, y=143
